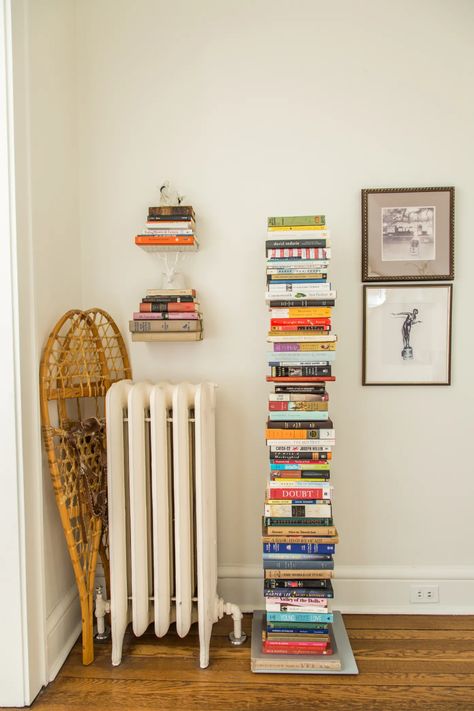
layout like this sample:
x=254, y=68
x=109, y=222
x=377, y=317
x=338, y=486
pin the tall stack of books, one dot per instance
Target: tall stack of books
x=167, y=315
x=169, y=228
x=299, y=535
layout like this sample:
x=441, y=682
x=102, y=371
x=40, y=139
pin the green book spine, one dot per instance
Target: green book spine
x=297, y=221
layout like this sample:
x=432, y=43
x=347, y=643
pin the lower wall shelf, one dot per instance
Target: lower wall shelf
x=175, y=337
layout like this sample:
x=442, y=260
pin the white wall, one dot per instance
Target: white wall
x=259, y=108
x=49, y=255
x=269, y=107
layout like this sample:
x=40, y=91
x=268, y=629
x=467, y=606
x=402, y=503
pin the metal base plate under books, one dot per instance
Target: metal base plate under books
x=303, y=664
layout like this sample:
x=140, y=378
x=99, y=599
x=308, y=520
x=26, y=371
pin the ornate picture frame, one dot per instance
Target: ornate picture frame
x=407, y=234
x=407, y=334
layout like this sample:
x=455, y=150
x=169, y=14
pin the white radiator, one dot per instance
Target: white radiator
x=162, y=512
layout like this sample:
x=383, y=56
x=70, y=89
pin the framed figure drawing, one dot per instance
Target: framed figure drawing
x=407, y=234
x=407, y=334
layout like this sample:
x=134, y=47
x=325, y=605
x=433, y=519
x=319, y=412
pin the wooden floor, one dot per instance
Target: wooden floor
x=405, y=663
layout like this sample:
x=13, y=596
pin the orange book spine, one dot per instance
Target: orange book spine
x=292, y=434
x=168, y=240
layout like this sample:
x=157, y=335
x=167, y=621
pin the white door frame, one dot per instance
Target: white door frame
x=22, y=608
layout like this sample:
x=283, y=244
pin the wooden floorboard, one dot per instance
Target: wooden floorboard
x=405, y=662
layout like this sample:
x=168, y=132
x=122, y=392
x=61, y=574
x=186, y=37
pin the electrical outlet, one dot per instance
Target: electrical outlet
x=424, y=593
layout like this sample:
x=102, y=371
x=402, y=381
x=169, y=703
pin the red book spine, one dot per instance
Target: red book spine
x=300, y=322
x=298, y=493
x=170, y=307
x=287, y=648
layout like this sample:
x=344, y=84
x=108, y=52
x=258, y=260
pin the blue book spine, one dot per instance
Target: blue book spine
x=293, y=415
x=296, y=556
x=299, y=617
x=301, y=548
x=297, y=564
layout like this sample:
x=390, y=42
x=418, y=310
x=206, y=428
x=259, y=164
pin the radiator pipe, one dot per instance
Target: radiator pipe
x=102, y=607
x=236, y=637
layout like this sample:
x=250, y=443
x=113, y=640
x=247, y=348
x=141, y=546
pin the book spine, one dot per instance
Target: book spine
x=288, y=221
x=291, y=432
x=297, y=564
x=318, y=417
x=321, y=321
x=168, y=299
x=297, y=511
x=305, y=253
x=301, y=312
x=296, y=406
x=286, y=468
x=298, y=550
x=269, y=648
x=171, y=292
x=160, y=307
x=299, y=493
x=283, y=347
x=284, y=604
x=310, y=398
x=310, y=379
x=290, y=594
x=299, y=617
x=301, y=521
x=289, y=371
x=164, y=232
x=173, y=210
x=282, y=583
x=169, y=240
x=293, y=330
x=287, y=303
x=165, y=315
x=163, y=326
x=308, y=451
x=280, y=244
x=297, y=574
x=182, y=223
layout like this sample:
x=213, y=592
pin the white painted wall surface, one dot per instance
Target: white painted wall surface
x=261, y=107
x=49, y=252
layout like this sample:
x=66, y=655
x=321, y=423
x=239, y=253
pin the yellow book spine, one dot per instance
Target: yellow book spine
x=297, y=228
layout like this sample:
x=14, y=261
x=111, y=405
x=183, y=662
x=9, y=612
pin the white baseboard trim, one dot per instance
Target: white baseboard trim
x=63, y=627
x=367, y=589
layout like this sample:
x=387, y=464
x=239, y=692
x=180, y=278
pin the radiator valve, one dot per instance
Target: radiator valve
x=236, y=637
x=102, y=607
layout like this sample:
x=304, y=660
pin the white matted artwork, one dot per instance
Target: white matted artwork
x=407, y=335
x=408, y=233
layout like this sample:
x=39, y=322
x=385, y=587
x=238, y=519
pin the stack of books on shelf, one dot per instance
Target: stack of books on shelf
x=167, y=315
x=169, y=228
x=299, y=535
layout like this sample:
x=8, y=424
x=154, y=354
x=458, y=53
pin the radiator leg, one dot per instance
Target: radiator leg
x=236, y=637
x=117, y=644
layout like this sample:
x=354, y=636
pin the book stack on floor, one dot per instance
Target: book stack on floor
x=167, y=315
x=299, y=535
x=169, y=228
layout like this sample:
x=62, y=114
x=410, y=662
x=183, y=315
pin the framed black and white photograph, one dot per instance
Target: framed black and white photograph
x=407, y=335
x=407, y=234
